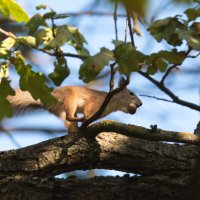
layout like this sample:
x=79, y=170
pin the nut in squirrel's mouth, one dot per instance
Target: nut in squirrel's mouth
x=132, y=108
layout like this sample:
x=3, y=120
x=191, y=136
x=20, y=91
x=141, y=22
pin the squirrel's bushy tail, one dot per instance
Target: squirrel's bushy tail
x=23, y=101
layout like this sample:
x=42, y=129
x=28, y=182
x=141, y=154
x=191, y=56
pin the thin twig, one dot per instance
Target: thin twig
x=113, y=71
x=130, y=28
x=92, y=13
x=58, y=54
x=32, y=129
x=198, y=54
x=157, y=98
x=170, y=93
x=126, y=30
x=115, y=20
x=168, y=72
x=8, y=34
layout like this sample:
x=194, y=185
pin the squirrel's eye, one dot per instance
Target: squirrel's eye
x=131, y=93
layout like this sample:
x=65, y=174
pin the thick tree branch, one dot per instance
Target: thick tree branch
x=107, y=151
x=120, y=188
x=142, y=133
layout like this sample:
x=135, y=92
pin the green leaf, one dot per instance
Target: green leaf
x=27, y=40
x=41, y=6
x=172, y=57
x=35, y=22
x=4, y=70
x=6, y=109
x=94, y=64
x=83, y=52
x=49, y=15
x=5, y=47
x=192, y=36
x=117, y=42
x=61, y=16
x=128, y=58
x=77, y=40
x=161, y=64
x=62, y=36
x=4, y=9
x=155, y=62
x=32, y=81
x=160, y=60
x=10, y=7
x=152, y=70
x=61, y=71
x=44, y=36
x=167, y=29
x=192, y=13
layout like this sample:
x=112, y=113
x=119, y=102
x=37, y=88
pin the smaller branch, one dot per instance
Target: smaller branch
x=58, y=54
x=126, y=31
x=93, y=13
x=115, y=20
x=130, y=28
x=53, y=27
x=8, y=34
x=168, y=72
x=113, y=70
x=170, y=93
x=142, y=133
x=198, y=54
x=32, y=129
x=153, y=97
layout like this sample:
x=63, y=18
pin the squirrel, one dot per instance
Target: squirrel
x=77, y=99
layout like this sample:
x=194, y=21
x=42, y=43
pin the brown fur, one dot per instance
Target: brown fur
x=74, y=99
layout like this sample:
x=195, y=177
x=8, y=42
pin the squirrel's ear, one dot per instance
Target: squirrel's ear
x=121, y=82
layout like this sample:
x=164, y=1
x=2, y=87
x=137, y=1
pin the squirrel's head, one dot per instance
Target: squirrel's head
x=129, y=102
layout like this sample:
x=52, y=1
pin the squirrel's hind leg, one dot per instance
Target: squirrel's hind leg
x=72, y=127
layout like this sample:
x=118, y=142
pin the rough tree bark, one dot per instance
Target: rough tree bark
x=163, y=168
